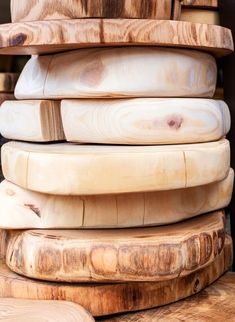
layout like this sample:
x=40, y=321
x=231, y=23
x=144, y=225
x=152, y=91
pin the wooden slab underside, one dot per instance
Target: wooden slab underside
x=8, y=82
x=201, y=3
x=119, y=72
x=200, y=15
x=105, y=299
x=25, y=209
x=43, y=37
x=110, y=169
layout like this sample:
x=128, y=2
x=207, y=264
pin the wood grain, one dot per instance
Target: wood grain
x=201, y=3
x=43, y=37
x=200, y=15
x=104, y=299
x=8, y=82
x=42, y=311
x=6, y=96
x=3, y=243
x=113, y=169
x=119, y=72
x=36, y=121
x=27, y=209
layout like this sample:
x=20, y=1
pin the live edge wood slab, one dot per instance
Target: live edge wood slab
x=105, y=299
x=41, y=37
x=71, y=169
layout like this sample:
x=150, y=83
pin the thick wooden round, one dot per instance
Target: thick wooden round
x=118, y=72
x=41, y=37
x=71, y=169
x=72, y=9
x=136, y=254
x=212, y=4
x=8, y=82
x=20, y=310
x=104, y=299
x=25, y=209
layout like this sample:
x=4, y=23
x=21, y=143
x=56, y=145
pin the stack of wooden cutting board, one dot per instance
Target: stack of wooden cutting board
x=126, y=213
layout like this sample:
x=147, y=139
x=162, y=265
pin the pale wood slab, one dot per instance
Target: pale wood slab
x=201, y=3
x=136, y=254
x=36, y=121
x=119, y=72
x=8, y=82
x=20, y=310
x=104, y=299
x=215, y=303
x=110, y=169
x=6, y=96
x=142, y=121
x=200, y=15
x=42, y=37
x=24, y=209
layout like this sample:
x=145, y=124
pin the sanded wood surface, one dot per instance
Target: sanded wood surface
x=20, y=310
x=200, y=15
x=8, y=82
x=5, y=97
x=38, y=121
x=72, y=9
x=201, y=3
x=119, y=72
x=215, y=303
x=23, y=209
x=109, y=169
x=104, y=299
x=42, y=37
x=142, y=121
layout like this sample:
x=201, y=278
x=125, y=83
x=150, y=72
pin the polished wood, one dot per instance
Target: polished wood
x=8, y=82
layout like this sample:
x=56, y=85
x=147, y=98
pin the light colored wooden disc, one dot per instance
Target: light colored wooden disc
x=201, y=3
x=42, y=37
x=20, y=310
x=119, y=72
x=5, y=97
x=200, y=15
x=38, y=121
x=72, y=9
x=25, y=209
x=8, y=82
x=72, y=169
x=136, y=254
x=104, y=299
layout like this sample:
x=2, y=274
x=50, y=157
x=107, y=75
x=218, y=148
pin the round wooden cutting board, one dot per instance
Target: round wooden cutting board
x=105, y=299
x=71, y=169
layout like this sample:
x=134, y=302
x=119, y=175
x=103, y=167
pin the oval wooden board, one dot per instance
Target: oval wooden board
x=8, y=82
x=20, y=310
x=118, y=72
x=90, y=169
x=41, y=37
x=216, y=303
x=201, y=3
x=72, y=9
x=105, y=299
x=25, y=209
x=200, y=15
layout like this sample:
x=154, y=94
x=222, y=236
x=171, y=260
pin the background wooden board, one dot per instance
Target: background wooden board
x=201, y=3
x=61, y=35
x=5, y=97
x=3, y=243
x=8, y=82
x=200, y=15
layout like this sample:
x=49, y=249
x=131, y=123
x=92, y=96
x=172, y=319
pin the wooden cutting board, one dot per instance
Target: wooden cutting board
x=119, y=72
x=8, y=82
x=105, y=299
x=136, y=254
x=41, y=37
x=71, y=169
x=72, y=9
x=26, y=209
x=200, y=15
x=201, y=3
x=42, y=311
x=6, y=96
x=216, y=303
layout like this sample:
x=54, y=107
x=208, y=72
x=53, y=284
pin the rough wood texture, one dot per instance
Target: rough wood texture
x=118, y=72
x=113, y=169
x=42, y=37
x=72, y=9
x=200, y=15
x=3, y=243
x=215, y=303
x=37, y=121
x=42, y=311
x=8, y=82
x=24, y=209
x=201, y=3
x=104, y=299
x=6, y=96
x=143, y=121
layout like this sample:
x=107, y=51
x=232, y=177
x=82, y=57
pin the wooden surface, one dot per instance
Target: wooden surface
x=42, y=311
x=37, y=121
x=104, y=299
x=3, y=243
x=24, y=209
x=60, y=35
x=201, y=3
x=119, y=72
x=5, y=97
x=200, y=15
x=215, y=303
x=8, y=82
x=142, y=121
x=136, y=254
x=72, y=9
x=101, y=169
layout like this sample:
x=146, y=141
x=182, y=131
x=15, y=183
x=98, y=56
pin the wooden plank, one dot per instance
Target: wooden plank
x=213, y=4
x=3, y=243
x=73, y=9
x=27, y=209
x=200, y=15
x=104, y=299
x=42, y=37
x=37, y=121
x=8, y=82
x=113, y=169
x=6, y=96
